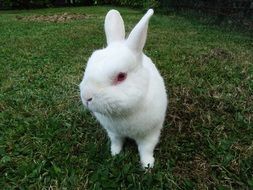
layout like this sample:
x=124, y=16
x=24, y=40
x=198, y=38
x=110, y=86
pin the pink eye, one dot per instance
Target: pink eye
x=120, y=77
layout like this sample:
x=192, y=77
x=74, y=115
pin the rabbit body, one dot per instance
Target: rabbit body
x=150, y=111
x=124, y=89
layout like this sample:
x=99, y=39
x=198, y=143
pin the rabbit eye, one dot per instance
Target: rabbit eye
x=120, y=77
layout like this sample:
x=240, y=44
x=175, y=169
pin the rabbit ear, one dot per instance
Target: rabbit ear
x=114, y=27
x=137, y=37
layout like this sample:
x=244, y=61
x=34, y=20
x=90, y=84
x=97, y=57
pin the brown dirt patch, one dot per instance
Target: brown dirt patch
x=58, y=18
x=216, y=53
x=197, y=169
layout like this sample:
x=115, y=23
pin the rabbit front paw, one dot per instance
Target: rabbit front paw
x=147, y=161
x=115, y=149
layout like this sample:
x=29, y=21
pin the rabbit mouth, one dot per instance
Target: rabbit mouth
x=108, y=109
x=102, y=109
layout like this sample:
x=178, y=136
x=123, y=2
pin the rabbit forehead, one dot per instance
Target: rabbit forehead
x=113, y=59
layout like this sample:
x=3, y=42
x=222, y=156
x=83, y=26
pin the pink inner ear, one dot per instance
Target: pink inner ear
x=120, y=78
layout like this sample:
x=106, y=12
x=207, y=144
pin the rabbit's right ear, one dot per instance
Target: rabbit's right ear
x=114, y=27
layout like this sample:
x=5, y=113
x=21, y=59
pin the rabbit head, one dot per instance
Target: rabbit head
x=114, y=81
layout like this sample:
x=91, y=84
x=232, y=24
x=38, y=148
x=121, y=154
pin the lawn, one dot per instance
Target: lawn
x=49, y=141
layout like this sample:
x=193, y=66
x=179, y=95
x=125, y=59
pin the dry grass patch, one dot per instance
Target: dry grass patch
x=58, y=18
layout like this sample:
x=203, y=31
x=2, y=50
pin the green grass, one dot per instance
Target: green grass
x=48, y=140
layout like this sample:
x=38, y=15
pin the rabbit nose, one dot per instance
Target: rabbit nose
x=89, y=100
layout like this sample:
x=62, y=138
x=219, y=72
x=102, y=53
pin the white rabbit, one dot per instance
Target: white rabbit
x=124, y=90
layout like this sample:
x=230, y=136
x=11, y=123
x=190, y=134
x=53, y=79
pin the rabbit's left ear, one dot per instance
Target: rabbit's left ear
x=114, y=27
x=137, y=37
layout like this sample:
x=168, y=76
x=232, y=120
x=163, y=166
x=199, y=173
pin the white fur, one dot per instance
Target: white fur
x=136, y=107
